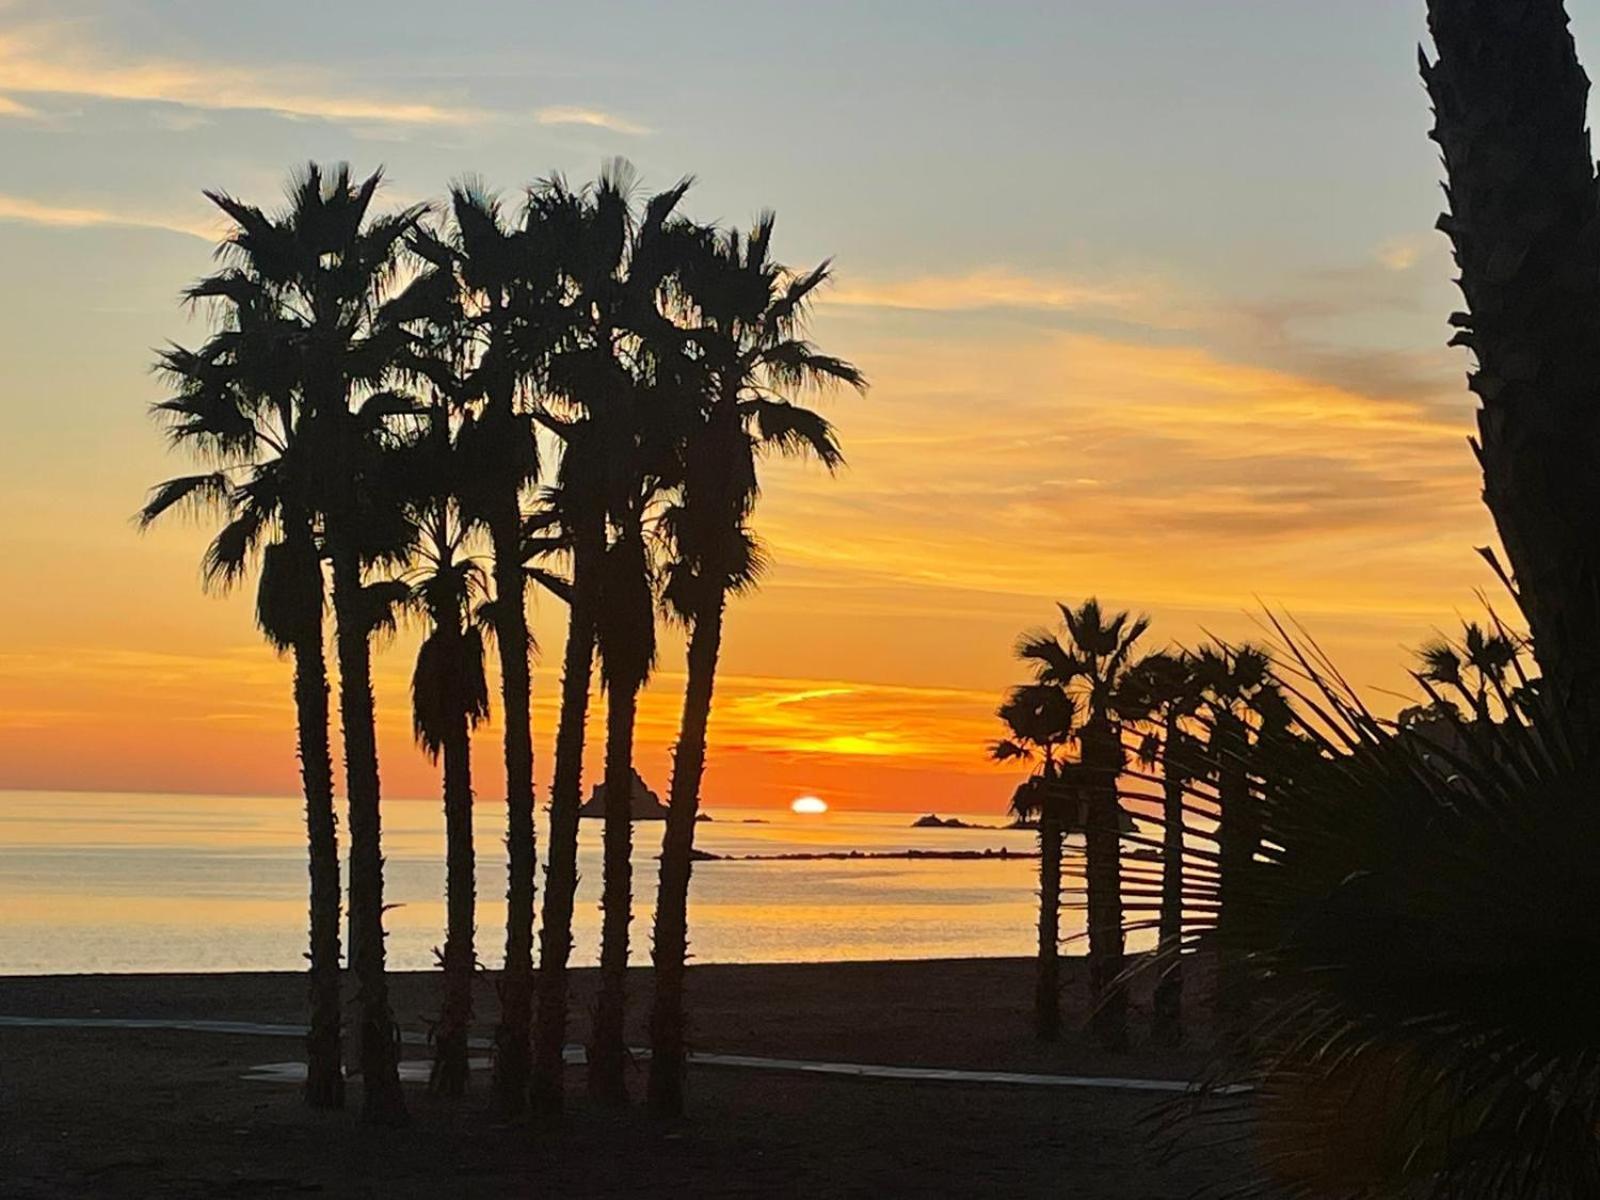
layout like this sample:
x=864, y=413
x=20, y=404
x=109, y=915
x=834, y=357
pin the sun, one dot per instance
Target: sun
x=808, y=805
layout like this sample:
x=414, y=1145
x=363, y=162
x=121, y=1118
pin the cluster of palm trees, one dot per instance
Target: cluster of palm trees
x=1098, y=719
x=422, y=413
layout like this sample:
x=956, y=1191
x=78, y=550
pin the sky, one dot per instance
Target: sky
x=1147, y=292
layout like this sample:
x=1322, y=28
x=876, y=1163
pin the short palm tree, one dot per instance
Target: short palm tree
x=1240, y=698
x=449, y=697
x=327, y=269
x=1096, y=662
x=1165, y=688
x=746, y=315
x=240, y=410
x=1041, y=723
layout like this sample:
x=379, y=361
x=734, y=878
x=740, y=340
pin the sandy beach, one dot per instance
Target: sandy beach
x=117, y=1113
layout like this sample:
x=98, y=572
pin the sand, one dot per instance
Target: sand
x=87, y=1113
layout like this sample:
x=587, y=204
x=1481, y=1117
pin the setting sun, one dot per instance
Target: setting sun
x=809, y=805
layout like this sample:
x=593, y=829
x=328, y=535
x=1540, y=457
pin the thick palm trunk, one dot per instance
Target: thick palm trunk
x=382, y=1101
x=1103, y=878
x=1047, y=981
x=1510, y=100
x=561, y=855
x=668, y=1050
x=324, y=1042
x=1167, y=1015
x=450, y=1070
x=512, y=1058
x=608, y=1051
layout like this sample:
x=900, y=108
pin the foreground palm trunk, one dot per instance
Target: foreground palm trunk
x=1235, y=848
x=324, y=1042
x=512, y=1058
x=1167, y=1015
x=608, y=1051
x=382, y=1101
x=1047, y=980
x=668, y=1043
x=1510, y=101
x=1103, y=878
x=561, y=855
x=450, y=1069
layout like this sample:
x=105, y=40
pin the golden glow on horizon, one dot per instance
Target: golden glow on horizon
x=809, y=806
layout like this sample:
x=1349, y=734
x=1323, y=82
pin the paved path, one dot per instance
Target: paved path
x=292, y=1072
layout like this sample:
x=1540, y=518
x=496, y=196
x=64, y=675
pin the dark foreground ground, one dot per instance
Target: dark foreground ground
x=90, y=1113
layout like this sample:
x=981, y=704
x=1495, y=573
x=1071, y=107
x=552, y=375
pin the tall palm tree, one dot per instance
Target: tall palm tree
x=449, y=697
x=327, y=269
x=238, y=408
x=1164, y=686
x=618, y=373
x=489, y=294
x=1041, y=722
x=1511, y=110
x=747, y=316
x=1096, y=662
x=1476, y=670
x=1239, y=695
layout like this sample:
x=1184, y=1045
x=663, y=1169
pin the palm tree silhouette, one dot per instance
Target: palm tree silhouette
x=1164, y=688
x=449, y=697
x=1097, y=662
x=747, y=316
x=1042, y=722
x=239, y=408
x=490, y=292
x=327, y=268
x=1240, y=697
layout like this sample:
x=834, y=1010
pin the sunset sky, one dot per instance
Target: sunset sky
x=1146, y=290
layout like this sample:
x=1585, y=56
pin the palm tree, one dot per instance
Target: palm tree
x=326, y=269
x=1165, y=688
x=618, y=372
x=489, y=294
x=1096, y=663
x=237, y=406
x=449, y=697
x=1476, y=670
x=1511, y=109
x=1240, y=696
x=748, y=317
x=1042, y=721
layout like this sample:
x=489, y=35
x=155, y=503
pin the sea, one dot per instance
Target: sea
x=98, y=882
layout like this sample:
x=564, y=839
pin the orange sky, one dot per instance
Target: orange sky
x=1160, y=326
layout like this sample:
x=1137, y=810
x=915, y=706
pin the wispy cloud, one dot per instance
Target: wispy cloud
x=568, y=114
x=993, y=287
x=40, y=60
x=62, y=216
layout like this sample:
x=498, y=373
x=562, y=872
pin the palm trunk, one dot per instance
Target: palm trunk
x=561, y=855
x=1167, y=1016
x=1511, y=101
x=1047, y=981
x=668, y=1051
x=450, y=1070
x=1108, y=997
x=608, y=1052
x=324, y=1048
x=382, y=1101
x=512, y=1056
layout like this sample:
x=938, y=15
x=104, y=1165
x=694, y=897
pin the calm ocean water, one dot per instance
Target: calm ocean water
x=101, y=882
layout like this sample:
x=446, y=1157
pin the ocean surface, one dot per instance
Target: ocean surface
x=103, y=882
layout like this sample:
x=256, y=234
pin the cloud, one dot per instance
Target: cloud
x=993, y=287
x=60, y=216
x=43, y=60
x=567, y=114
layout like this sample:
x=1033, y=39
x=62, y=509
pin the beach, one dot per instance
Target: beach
x=135, y=1113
